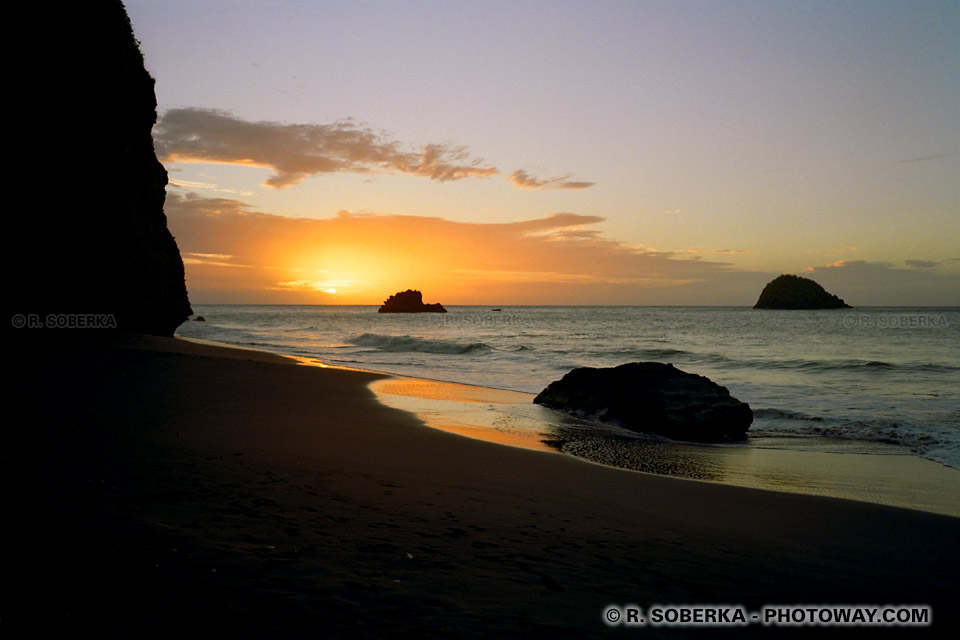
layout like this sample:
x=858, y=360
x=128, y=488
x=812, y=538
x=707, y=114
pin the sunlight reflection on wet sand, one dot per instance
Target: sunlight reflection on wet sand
x=870, y=472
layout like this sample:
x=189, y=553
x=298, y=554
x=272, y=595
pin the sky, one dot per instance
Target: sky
x=523, y=152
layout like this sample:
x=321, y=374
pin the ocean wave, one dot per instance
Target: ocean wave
x=939, y=443
x=419, y=345
x=620, y=356
x=862, y=366
x=663, y=353
x=783, y=414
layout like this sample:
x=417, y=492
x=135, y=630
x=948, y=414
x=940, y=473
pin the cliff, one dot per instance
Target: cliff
x=92, y=236
x=794, y=292
x=409, y=301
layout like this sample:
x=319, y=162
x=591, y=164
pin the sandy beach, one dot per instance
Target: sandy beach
x=163, y=488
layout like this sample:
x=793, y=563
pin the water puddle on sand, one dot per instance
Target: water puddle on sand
x=494, y=415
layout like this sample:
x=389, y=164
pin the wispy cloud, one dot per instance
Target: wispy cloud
x=523, y=180
x=861, y=282
x=221, y=259
x=831, y=252
x=837, y=264
x=921, y=264
x=207, y=186
x=295, y=152
x=707, y=251
x=939, y=156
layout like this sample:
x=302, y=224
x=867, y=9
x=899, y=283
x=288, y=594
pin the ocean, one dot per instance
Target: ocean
x=870, y=379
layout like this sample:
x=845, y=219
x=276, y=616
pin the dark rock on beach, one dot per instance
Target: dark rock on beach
x=93, y=237
x=409, y=301
x=651, y=397
x=794, y=292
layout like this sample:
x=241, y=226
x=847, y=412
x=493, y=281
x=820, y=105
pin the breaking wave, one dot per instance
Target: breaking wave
x=420, y=345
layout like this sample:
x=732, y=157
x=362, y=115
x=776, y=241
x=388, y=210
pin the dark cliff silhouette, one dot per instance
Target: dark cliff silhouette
x=794, y=292
x=91, y=236
x=409, y=301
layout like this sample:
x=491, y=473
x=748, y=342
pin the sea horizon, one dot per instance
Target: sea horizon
x=625, y=306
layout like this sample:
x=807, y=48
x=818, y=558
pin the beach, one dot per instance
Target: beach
x=863, y=471
x=164, y=488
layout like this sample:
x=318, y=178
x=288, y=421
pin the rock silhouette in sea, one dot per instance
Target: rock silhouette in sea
x=409, y=301
x=92, y=236
x=651, y=397
x=794, y=292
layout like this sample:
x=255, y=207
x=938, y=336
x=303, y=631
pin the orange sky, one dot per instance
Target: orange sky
x=233, y=253
x=590, y=153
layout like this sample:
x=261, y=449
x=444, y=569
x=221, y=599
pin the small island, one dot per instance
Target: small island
x=794, y=292
x=409, y=301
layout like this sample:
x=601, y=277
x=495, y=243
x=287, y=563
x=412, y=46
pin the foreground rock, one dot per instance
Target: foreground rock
x=651, y=397
x=409, y=301
x=794, y=292
x=93, y=237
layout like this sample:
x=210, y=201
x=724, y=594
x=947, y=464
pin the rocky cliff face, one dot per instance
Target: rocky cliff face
x=794, y=292
x=92, y=237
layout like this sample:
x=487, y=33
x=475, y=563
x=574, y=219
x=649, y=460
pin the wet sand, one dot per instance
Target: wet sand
x=877, y=473
x=159, y=488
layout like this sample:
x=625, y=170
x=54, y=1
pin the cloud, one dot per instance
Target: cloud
x=213, y=259
x=297, y=151
x=864, y=283
x=706, y=251
x=922, y=264
x=310, y=285
x=553, y=259
x=207, y=186
x=540, y=276
x=939, y=156
x=523, y=180
x=831, y=252
x=557, y=223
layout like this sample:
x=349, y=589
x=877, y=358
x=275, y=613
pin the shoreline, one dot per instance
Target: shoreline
x=878, y=474
x=885, y=474
x=226, y=490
